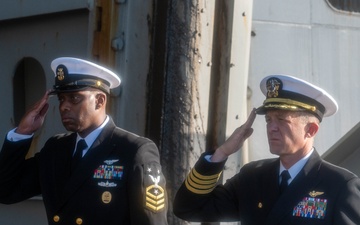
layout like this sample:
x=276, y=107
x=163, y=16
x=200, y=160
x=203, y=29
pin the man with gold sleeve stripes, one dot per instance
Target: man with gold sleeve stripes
x=298, y=187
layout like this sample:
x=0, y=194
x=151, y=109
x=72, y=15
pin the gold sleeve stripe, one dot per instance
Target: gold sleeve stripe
x=193, y=177
x=197, y=191
x=202, y=177
x=200, y=184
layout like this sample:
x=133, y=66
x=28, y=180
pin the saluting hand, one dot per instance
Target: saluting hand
x=236, y=140
x=34, y=118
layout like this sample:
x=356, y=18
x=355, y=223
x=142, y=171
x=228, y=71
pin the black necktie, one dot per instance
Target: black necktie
x=285, y=176
x=81, y=145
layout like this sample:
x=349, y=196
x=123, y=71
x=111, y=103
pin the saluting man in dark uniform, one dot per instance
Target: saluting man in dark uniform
x=98, y=173
x=298, y=187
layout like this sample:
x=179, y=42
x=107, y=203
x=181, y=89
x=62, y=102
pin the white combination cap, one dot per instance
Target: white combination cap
x=73, y=74
x=291, y=93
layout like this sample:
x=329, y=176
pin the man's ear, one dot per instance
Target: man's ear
x=100, y=100
x=312, y=129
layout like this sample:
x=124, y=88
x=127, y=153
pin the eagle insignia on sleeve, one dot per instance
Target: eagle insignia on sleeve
x=154, y=188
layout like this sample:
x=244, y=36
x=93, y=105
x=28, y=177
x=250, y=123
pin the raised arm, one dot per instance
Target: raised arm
x=235, y=141
x=34, y=118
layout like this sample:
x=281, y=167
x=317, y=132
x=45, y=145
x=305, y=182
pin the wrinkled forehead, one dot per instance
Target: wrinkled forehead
x=288, y=114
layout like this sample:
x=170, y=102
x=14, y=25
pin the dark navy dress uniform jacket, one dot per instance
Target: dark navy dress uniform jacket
x=118, y=181
x=320, y=194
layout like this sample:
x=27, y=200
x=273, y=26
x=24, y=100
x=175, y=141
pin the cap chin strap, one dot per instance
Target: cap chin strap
x=291, y=103
x=82, y=84
x=288, y=104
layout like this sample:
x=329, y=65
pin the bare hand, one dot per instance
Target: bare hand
x=236, y=140
x=34, y=118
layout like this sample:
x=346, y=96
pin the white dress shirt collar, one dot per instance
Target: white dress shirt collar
x=295, y=169
x=93, y=135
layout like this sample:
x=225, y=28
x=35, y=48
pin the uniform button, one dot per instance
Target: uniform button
x=79, y=221
x=56, y=218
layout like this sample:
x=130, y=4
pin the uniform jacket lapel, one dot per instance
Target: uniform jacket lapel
x=62, y=165
x=269, y=183
x=299, y=187
x=97, y=153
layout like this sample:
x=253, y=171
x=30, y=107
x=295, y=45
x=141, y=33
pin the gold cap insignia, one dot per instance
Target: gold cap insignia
x=260, y=205
x=315, y=193
x=60, y=73
x=273, y=86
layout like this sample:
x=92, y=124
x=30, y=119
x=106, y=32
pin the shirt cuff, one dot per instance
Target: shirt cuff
x=208, y=158
x=13, y=136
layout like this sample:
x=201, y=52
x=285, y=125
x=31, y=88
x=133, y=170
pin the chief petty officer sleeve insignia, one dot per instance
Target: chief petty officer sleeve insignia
x=201, y=184
x=154, y=188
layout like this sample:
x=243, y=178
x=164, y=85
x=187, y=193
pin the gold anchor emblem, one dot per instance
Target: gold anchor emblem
x=60, y=74
x=272, y=87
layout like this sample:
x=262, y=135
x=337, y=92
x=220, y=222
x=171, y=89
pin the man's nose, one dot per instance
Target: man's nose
x=272, y=126
x=64, y=106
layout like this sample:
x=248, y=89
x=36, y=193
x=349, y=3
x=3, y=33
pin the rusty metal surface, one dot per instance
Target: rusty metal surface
x=181, y=71
x=198, y=58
